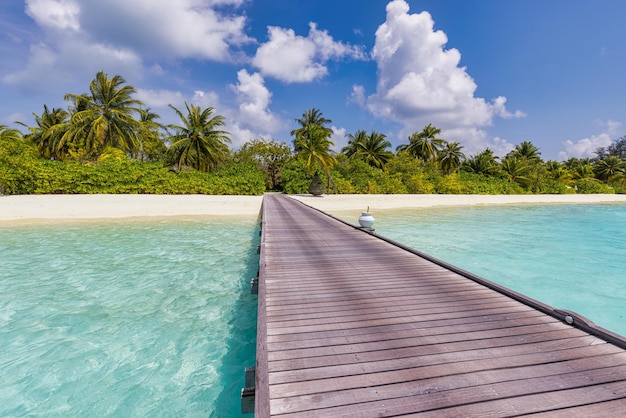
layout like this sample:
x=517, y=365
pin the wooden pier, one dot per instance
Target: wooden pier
x=352, y=325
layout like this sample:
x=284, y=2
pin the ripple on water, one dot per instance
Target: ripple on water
x=131, y=318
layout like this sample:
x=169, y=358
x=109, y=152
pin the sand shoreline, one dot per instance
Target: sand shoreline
x=65, y=207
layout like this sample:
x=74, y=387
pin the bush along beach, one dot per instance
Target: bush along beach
x=106, y=141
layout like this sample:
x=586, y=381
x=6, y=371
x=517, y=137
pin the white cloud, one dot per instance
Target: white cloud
x=292, y=58
x=338, y=137
x=50, y=67
x=235, y=3
x=254, y=99
x=164, y=28
x=500, y=109
x=55, y=14
x=420, y=82
x=586, y=147
x=160, y=98
x=358, y=95
x=240, y=135
x=83, y=37
x=206, y=99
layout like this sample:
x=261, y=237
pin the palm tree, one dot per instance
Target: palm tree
x=197, y=142
x=610, y=168
x=9, y=134
x=151, y=144
x=371, y=148
x=311, y=119
x=482, y=163
x=583, y=171
x=526, y=150
x=559, y=172
x=451, y=156
x=314, y=149
x=423, y=145
x=516, y=170
x=51, y=126
x=105, y=116
x=352, y=148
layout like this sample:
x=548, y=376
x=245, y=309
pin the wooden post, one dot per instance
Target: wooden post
x=247, y=393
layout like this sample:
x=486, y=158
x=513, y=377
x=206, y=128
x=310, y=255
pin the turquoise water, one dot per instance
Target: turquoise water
x=155, y=318
x=120, y=318
x=568, y=256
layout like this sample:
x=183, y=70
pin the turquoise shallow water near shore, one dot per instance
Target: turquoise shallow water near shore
x=568, y=256
x=154, y=318
x=126, y=318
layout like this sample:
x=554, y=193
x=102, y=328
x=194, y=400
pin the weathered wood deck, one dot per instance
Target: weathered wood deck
x=351, y=325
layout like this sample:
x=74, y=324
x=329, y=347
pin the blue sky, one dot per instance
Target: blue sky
x=489, y=73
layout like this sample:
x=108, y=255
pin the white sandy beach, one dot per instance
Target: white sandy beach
x=59, y=207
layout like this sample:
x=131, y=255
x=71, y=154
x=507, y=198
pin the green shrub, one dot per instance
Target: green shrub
x=450, y=184
x=295, y=179
x=483, y=184
x=591, y=186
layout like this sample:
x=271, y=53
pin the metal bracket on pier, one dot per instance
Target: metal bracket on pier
x=247, y=393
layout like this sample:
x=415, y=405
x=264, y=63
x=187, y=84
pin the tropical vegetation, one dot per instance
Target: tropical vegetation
x=107, y=141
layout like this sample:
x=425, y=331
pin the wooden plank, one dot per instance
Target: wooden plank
x=509, y=398
x=357, y=326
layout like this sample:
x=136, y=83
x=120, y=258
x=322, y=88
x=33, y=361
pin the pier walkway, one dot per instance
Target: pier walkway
x=352, y=325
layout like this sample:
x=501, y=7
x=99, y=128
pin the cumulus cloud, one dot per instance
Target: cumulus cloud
x=292, y=58
x=586, y=147
x=253, y=117
x=421, y=82
x=206, y=99
x=82, y=37
x=338, y=137
x=55, y=14
x=158, y=28
x=254, y=99
x=50, y=66
x=155, y=99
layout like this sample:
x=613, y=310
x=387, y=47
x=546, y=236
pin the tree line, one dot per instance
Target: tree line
x=107, y=141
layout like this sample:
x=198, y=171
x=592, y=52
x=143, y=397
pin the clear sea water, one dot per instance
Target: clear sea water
x=155, y=318
x=568, y=256
x=119, y=318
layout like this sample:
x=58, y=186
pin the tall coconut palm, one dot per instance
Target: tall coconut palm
x=371, y=148
x=105, y=117
x=526, y=150
x=198, y=142
x=311, y=119
x=451, y=156
x=51, y=126
x=315, y=150
x=423, y=145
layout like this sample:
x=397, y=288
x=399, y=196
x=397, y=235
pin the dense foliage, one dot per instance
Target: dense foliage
x=108, y=142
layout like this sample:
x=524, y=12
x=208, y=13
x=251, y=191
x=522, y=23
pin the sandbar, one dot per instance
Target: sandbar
x=103, y=206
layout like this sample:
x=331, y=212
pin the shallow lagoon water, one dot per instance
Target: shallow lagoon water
x=141, y=318
x=568, y=256
x=154, y=318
